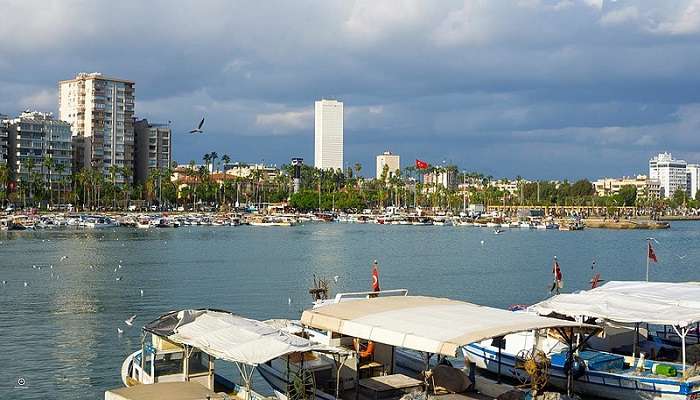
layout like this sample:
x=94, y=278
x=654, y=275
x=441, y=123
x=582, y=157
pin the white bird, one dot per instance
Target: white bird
x=51, y=266
x=115, y=270
x=119, y=278
x=63, y=258
x=198, y=129
x=141, y=292
x=26, y=284
x=34, y=266
x=482, y=242
x=335, y=278
x=120, y=266
x=289, y=300
x=4, y=282
x=120, y=331
x=682, y=257
x=130, y=321
x=91, y=267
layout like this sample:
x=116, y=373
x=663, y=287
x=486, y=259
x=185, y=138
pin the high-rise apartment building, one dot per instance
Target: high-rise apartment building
x=4, y=136
x=391, y=161
x=671, y=174
x=35, y=137
x=693, y=171
x=101, y=112
x=328, y=150
x=152, y=148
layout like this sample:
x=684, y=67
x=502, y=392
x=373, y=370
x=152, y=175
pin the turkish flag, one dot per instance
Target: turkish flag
x=375, y=278
x=421, y=164
x=652, y=254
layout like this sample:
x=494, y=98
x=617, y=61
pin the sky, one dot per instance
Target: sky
x=558, y=89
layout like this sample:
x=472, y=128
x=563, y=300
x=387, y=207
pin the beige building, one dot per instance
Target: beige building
x=152, y=148
x=645, y=186
x=390, y=160
x=101, y=111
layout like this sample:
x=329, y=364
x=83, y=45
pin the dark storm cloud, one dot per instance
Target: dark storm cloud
x=538, y=88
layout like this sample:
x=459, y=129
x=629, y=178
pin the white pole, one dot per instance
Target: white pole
x=647, y=257
x=682, y=333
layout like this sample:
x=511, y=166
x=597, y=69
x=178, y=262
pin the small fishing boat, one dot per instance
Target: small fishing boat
x=184, y=345
x=364, y=339
x=622, y=363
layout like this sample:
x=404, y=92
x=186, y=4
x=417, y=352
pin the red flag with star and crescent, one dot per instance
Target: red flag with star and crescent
x=652, y=254
x=421, y=164
x=375, y=278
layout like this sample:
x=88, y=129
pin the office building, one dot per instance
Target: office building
x=671, y=174
x=101, y=112
x=152, y=148
x=328, y=150
x=392, y=161
x=35, y=136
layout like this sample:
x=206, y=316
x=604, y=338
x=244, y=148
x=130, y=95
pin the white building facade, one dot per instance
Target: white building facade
x=328, y=148
x=101, y=111
x=392, y=161
x=693, y=179
x=672, y=174
x=35, y=137
x=646, y=187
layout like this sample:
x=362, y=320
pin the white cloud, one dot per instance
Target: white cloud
x=369, y=20
x=467, y=25
x=620, y=16
x=43, y=100
x=286, y=122
x=685, y=22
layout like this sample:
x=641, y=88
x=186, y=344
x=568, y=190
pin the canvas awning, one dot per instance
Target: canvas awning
x=167, y=390
x=430, y=324
x=228, y=336
x=661, y=303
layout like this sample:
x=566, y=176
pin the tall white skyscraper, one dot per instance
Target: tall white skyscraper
x=328, y=150
x=672, y=174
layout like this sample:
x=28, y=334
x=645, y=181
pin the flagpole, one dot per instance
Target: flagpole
x=647, y=256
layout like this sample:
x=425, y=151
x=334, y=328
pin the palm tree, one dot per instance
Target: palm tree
x=113, y=172
x=29, y=165
x=49, y=164
x=206, y=158
x=60, y=169
x=126, y=173
x=4, y=179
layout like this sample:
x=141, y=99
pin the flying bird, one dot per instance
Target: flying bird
x=63, y=258
x=141, y=292
x=682, y=257
x=120, y=331
x=335, y=278
x=198, y=129
x=130, y=321
x=119, y=278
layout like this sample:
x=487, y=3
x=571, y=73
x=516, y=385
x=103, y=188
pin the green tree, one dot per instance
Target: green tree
x=679, y=197
x=628, y=195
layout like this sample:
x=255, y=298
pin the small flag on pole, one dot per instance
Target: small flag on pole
x=595, y=281
x=421, y=164
x=652, y=254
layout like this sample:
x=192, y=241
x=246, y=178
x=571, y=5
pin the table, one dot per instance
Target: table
x=380, y=387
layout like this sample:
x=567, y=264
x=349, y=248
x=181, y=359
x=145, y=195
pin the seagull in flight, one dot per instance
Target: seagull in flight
x=198, y=129
x=130, y=320
x=120, y=331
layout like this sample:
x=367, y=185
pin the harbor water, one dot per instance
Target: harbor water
x=59, y=331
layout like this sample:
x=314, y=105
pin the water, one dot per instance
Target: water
x=59, y=332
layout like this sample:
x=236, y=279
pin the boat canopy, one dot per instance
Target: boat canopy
x=661, y=303
x=430, y=324
x=228, y=336
x=164, y=390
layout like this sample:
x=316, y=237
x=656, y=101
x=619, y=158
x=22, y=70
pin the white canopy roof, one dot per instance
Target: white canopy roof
x=429, y=324
x=661, y=303
x=231, y=337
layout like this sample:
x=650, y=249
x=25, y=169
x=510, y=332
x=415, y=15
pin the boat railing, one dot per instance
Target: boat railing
x=362, y=295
